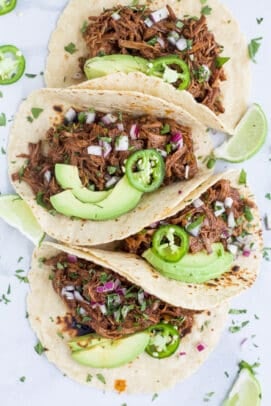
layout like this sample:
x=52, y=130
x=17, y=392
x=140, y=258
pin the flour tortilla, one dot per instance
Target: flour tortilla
x=145, y=374
x=189, y=295
x=62, y=67
x=151, y=207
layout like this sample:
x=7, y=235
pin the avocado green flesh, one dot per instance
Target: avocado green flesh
x=85, y=342
x=105, y=65
x=113, y=353
x=122, y=199
x=193, y=268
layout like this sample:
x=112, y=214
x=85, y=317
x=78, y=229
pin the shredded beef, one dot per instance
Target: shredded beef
x=214, y=228
x=130, y=35
x=68, y=144
x=124, y=310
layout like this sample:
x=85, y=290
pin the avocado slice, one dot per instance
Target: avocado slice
x=68, y=178
x=122, y=199
x=105, y=65
x=113, y=353
x=193, y=268
x=85, y=342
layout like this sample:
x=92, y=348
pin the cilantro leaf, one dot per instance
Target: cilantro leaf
x=242, y=178
x=71, y=48
x=101, y=378
x=206, y=10
x=221, y=60
x=3, y=120
x=253, y=48
x=36, y=112
x=39, y=348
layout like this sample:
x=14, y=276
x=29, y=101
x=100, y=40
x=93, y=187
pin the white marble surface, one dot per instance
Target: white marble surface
x=29, y=27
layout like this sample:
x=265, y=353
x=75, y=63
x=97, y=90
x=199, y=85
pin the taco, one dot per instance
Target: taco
x=187, y=53
x=98, y=166
x=101, y=329
x=205, y=252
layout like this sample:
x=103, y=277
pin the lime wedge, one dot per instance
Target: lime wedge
x=249, y=136
x=246, y=391
x=17, y=213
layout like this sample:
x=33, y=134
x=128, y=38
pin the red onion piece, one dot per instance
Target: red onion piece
x=106, y=148
x=72, y=259
x=182, y=353
x=121, y=291
x=134, y=131
x=176, y=137
x=201, y=347
x=246, y=253
x=107, y=287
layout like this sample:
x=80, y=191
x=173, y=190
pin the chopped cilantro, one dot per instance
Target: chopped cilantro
x=253, y=47
x=268, y=196
x=259, y=20
x=243, y=364
x=30, y=75
x=266, y=252
x=165, y=129
x=237, y=311
x=20, y=259
x=206, y=10
x=152, y=41
x=59, y=265
x=256, y=317
x=22, y=379
x=82, y=117
x=60, y=334
x=21, y=278
x=111, y=169
x=3, y=151
x=3, y=120
x=247, y=213
x=236, y=328
x=88, y=378
x=29, y=119
x=155, y=396
x=179, y=24
x=36, y=112
x=84, y=27
x=39, y=199
x=101, y=378
x=71, y=48
x=221, y=60
x=242, y=178
x=1, y=94
x=207, y=396
x=203, y=1
x=39, y=348
x=226, y=374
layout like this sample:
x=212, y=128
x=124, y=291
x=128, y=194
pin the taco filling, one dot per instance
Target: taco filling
x=84, y=165
x=200, y=242
x=182, y=52
x=104, y=307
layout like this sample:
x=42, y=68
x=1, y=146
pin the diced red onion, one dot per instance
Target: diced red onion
x=70, y=115
x=112, y=181
x=173, y=37
x=197, y=203
x=109, y=119
x=159, y=15
x=233, y=249
x=176, y=137
x=134, y=131
x=121, y=291
x=72, y=259
x=148, y=22
x=106, y=148
x=246, y=253
x=161, y=42
x=90, y=117
x=162, y=152
x=180, y=192
x=181, y=44
x=120, y=127
x=47, y=176
x=122, y=143
x=78, y=296
x=140, y=297
x=219, y=208
x=186, y=173
x=228, y=202
x=182, y=353
x=231, y=220
x=201, y=347
x=115, y=16
x=107, y=287
x=225, y=234
x=95, y=150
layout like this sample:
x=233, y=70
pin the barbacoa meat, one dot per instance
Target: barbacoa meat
x=68, y=143
x=214, y=228
x=130, y=35
x=124, y=309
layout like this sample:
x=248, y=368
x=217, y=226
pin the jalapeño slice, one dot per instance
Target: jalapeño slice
x=170, y=242
x=145, y=170
x=164, y=340
x=172, y=66
x=12, y=64
x=6, y=6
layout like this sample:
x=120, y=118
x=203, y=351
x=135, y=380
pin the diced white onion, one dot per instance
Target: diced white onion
x=67, y=294
x=78, y=296
x=233, y=249
x=195, y=231
x=120, y=127
x=159, y=15
x=70, y=115
x=162, y=152
x=90, y=117
x=82, y=311
x=186, y=173
x=95, y=150
x=122, y=143
x=47, y=176
x=181, y=44
x=173, y=37
x=219, y=208
x=228, y=202
x=106, y=148
x=197, y=203
x=112, y=181
x=102, y=308
x=140, y=297
x=115, y=16
x=161, y=42
x=148, y=22
x=231, y=220
x=109, y=119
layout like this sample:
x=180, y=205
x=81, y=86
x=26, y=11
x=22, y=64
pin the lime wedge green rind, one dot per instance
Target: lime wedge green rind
x=15, y=212
x=246, y=391
x=249, y=136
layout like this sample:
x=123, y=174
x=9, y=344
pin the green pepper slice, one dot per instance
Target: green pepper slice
x=12, y=64
x=145, y=170
x=164, y=340
x=161, y=67
x=6, y=6
x=170, y=242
